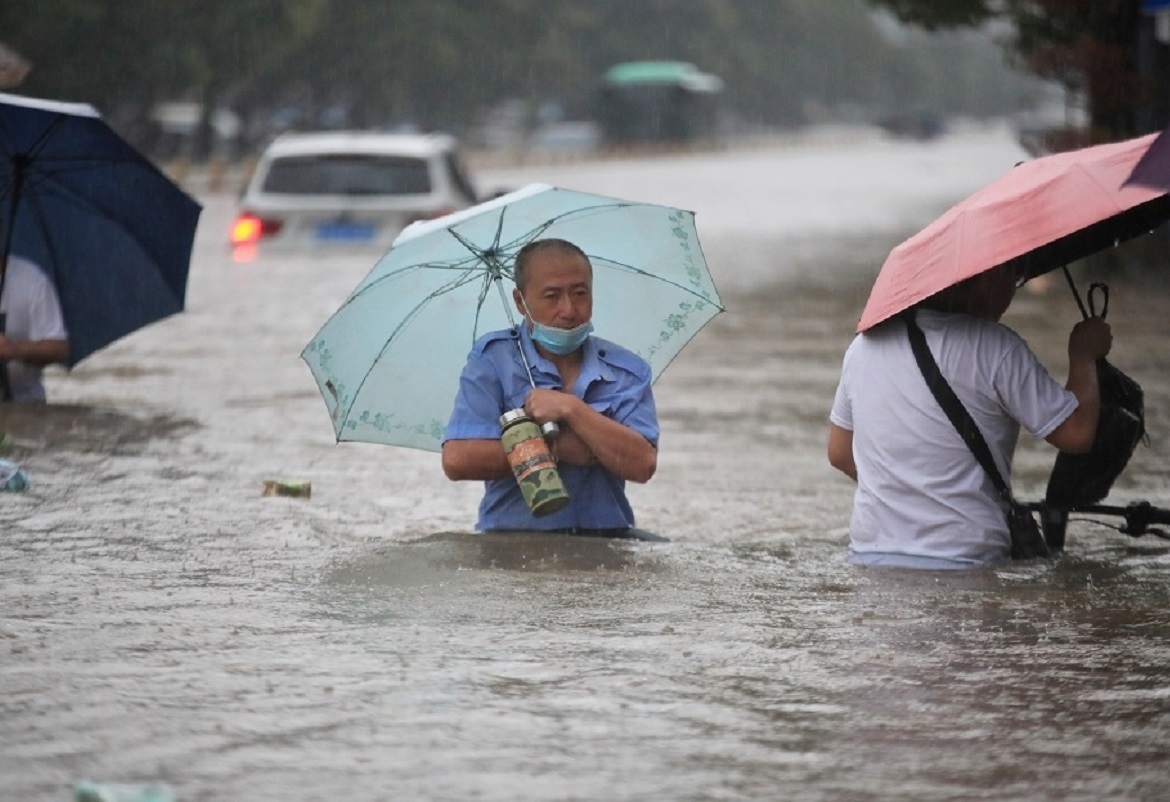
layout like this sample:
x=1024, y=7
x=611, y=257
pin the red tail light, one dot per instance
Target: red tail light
x=248, y=229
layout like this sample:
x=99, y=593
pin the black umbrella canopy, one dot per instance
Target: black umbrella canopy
x=1095, y=238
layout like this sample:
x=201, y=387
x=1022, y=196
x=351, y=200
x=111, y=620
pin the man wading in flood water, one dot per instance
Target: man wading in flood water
x=596, y=391
x=923, y=500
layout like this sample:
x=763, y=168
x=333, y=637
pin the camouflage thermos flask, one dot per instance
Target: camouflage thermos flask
x=532, y=463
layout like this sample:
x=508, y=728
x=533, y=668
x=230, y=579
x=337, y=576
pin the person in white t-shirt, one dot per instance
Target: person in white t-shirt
x=922, y=499
x=34, y=332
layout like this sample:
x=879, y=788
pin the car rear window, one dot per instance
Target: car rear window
x=348, y=174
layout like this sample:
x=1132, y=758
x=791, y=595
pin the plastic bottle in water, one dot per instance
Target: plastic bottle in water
x=12, y=477
x=87, y=791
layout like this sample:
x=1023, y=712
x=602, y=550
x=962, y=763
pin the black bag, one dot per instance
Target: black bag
x=1027, y=538
x=1082, y=479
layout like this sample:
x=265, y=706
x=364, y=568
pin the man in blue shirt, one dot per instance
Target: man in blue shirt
x=597, y=392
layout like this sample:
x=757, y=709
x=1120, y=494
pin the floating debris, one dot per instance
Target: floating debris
x=13, y=478
x=294, y=488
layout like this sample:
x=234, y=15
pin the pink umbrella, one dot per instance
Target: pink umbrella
x=1041, y=215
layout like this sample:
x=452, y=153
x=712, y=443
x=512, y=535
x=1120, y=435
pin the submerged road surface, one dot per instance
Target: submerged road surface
x=161, y=619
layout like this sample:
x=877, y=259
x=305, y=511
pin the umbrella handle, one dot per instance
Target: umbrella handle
x=1072, y=286
x=1096, y=287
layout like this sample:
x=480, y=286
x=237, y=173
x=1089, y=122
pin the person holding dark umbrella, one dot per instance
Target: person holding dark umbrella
x=98, y=239
x=923, y=499
x=32, y=334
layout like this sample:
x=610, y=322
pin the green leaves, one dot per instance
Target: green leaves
x=445, y=63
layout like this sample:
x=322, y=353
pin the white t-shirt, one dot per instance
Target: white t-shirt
x=33, y=312
x=922, y=498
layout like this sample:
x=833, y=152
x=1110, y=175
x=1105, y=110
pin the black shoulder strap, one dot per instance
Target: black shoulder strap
x=951, y=405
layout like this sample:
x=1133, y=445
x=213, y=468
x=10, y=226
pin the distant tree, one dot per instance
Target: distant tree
x=423, y=61
x=442, y=63
x=66, y=43
x=1089, y=46
x=205, y=51
x=123, y=56
x=934, y=15
x=780, y=61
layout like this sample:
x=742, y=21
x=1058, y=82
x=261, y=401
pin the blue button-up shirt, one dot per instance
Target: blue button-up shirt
x=613, y=381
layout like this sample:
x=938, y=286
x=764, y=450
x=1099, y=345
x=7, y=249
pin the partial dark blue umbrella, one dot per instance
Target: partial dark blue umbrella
x=109, y=228
x=1153, y=169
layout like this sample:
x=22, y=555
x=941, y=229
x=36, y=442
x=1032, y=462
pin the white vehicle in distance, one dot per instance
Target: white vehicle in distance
x=349, y=188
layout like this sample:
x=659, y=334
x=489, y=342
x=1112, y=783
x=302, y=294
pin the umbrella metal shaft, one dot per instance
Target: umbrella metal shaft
x=550, y=428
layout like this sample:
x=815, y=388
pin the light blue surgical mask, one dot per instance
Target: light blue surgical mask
x=561, y=341
x=558, y=341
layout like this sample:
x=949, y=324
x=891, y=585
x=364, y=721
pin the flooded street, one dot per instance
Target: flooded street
x=160, y=619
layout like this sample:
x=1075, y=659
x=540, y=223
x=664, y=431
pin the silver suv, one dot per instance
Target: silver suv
x=349, y=188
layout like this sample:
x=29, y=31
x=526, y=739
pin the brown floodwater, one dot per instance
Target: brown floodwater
x=162, y=619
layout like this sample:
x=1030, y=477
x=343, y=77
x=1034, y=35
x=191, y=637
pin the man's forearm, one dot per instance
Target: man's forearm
x=1082, y=382
x=35, y=352
x=619, y=448
x=475, y=460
